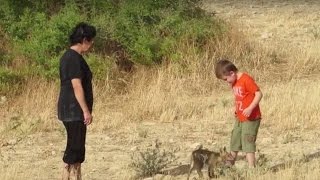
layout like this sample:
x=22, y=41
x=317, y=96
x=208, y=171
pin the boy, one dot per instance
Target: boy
x=247, y=98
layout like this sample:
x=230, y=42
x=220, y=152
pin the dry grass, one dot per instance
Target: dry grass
x=296, y=171
x=289, y=30
x=166, y=93
x=177, y=91
x=163, y=95
x=292, y=104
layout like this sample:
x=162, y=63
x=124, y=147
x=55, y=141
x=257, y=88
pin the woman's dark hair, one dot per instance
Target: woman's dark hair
x=82, y=31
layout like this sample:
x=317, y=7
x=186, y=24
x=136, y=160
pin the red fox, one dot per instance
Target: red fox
x=200, y=157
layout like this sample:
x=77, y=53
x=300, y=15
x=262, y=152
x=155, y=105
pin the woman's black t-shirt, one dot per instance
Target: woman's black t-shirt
x=72, y=65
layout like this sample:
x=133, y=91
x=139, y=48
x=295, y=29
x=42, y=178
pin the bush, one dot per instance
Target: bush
x=5, y=58
x=151, y=161
x=99, y=65
x=48, y=37
x=9, y=80
x=40, y=37
x=148, y=31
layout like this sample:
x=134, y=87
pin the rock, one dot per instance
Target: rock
x=267, y=140
x=158, y=176
x=196, y=146
x=108, y=138
x=149, y=178
x=3, y=99
x=266, y=35
x=53, y=153
x=210, y=141
x=12, y=141
x=4, y=144
x=135, y=148
x=6, y=158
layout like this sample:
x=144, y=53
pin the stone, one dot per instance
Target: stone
x=196, y=146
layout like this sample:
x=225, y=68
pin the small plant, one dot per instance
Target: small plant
x=225, y=102
x=315, y=31
x=151, y=161
x=143, y=133
x=233, y=173
x=262, y=160
x=288, y=138
x=9, y=80
x=274, y=57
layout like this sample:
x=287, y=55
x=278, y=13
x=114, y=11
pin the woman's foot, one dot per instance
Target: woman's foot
x=66, y=172
x=77, y=171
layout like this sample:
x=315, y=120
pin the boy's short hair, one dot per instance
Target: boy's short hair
x=223, y=67
x=82, y=31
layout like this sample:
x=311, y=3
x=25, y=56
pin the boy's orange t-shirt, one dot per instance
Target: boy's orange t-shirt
x=244, y=90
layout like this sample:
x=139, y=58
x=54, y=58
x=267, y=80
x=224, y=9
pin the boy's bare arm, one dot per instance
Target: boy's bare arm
x=257, y=98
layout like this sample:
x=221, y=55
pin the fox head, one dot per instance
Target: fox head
x=224, y=155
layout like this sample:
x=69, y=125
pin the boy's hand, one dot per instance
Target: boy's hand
x=247, y=112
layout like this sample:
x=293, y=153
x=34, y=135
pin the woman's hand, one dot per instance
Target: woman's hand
x=87, y=118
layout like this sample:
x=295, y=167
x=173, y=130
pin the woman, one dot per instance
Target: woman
x=76, y=97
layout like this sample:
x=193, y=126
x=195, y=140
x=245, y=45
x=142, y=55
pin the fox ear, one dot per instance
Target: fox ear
x=223, y=150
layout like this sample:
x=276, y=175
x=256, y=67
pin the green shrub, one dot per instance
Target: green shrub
x=151, y=161
x=5, y=57
x=40, y=37
x=147, y=30
x=99, y=65
x=48, y=37
x=9, y=80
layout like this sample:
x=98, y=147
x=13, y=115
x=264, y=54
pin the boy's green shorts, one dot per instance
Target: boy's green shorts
x=244, y=135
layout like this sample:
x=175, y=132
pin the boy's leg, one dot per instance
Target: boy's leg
x=235, y=143
x=251, y=158
x=249, y=136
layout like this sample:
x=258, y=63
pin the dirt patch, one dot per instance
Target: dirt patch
x=39, y=156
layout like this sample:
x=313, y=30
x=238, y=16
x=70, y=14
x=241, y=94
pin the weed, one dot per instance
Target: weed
x=151, y=161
